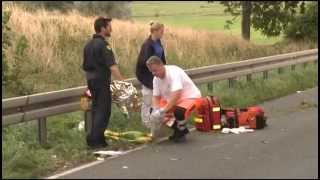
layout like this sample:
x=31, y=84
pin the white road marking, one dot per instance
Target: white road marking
x=101, y=161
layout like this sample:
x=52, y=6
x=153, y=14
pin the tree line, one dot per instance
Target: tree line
x=295, y=19
x=114, y=9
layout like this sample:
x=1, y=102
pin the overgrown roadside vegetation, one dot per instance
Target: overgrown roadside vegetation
x=48, y=46
x=44, y=53
x=23, y=157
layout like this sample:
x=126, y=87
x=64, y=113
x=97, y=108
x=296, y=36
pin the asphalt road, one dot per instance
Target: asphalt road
x=287, y=148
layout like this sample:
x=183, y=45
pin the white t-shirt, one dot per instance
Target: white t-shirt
x=175, y=79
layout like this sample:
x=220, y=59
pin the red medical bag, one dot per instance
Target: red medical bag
x=251, y=117
x=208, y=114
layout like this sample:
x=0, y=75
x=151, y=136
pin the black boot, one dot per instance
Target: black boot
x=180, y=137
x=174, y=127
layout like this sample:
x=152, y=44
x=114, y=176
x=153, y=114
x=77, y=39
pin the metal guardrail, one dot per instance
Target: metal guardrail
x=40, y=106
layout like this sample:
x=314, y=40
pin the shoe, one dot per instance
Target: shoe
x=186, y=131
x=98, y=146
x=172, y=137
x=179, y=139
x=180, y=136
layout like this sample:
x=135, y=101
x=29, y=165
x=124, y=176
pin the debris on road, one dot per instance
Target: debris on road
x=236, y=130
x=124, y=167
x=100, y=158
x=305, y=104
x=135, y=137
x=108, y=153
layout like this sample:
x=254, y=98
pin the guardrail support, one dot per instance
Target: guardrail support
x=305, y=65
x=87, y=121
x=249, y=78
x=210, y=87
x=265, y=74
x=232, y=82
x=280, y=70
x=293, y=67
x=42, y=129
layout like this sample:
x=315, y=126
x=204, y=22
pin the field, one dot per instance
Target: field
x=52, y=60
x=197, y=15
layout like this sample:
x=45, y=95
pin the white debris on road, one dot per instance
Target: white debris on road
x=236, y=130
x=108, y=153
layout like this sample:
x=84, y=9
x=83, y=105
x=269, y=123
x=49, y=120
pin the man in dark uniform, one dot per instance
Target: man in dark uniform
x=99, y=63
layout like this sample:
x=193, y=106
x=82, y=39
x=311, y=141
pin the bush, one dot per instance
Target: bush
x=16, y=81
x=304, y=26
x=114, y=9
x=62, y=6
x=5, y=44
x=12, y=75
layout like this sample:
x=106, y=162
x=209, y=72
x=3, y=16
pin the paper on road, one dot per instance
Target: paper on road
x=108, y=153
x=236, y=130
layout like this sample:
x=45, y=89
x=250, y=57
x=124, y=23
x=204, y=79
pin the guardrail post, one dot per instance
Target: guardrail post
x=305, y=65
x=315, y=62
x=249, y=77
x=87, y=121
x=293, y=67
x=280, y=70
x=210, y=87
x=232, y=82
x=265, y=74
x=42, y=129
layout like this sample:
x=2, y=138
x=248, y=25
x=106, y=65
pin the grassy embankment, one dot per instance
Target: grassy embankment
x=53, y=60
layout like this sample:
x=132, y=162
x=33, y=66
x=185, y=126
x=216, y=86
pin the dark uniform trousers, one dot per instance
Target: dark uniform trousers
x=101, y=110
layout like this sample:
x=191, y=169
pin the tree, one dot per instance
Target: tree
x=304, y=26
x=245, y=22
x=270, y=17
x=5, y=44
x=114, y=9
x=49, y=5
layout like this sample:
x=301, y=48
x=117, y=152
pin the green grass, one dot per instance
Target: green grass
x=197, y=15
x=23, y=157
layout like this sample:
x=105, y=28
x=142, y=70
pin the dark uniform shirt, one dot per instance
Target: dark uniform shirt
x=98, y=58
x=148, y=49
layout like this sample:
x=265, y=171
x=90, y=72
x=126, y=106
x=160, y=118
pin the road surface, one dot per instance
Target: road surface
x=287, y=148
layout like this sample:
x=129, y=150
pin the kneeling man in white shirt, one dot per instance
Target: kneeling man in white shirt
x=174, y=94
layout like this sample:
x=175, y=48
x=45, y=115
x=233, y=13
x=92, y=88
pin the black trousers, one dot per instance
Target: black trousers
x=101, y=110
x=179, y=113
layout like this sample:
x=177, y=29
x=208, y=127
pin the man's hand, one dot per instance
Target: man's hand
x=116, y=73
x=157, y=114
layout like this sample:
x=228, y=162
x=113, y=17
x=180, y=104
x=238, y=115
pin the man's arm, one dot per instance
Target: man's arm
x=156, y=101
x=175, y=95
x=116, y=72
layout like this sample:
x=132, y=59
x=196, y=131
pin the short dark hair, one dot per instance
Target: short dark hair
x=154, y=60
x=101, y=22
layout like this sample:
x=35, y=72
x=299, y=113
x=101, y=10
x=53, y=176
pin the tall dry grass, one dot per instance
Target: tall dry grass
x=56, y=41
